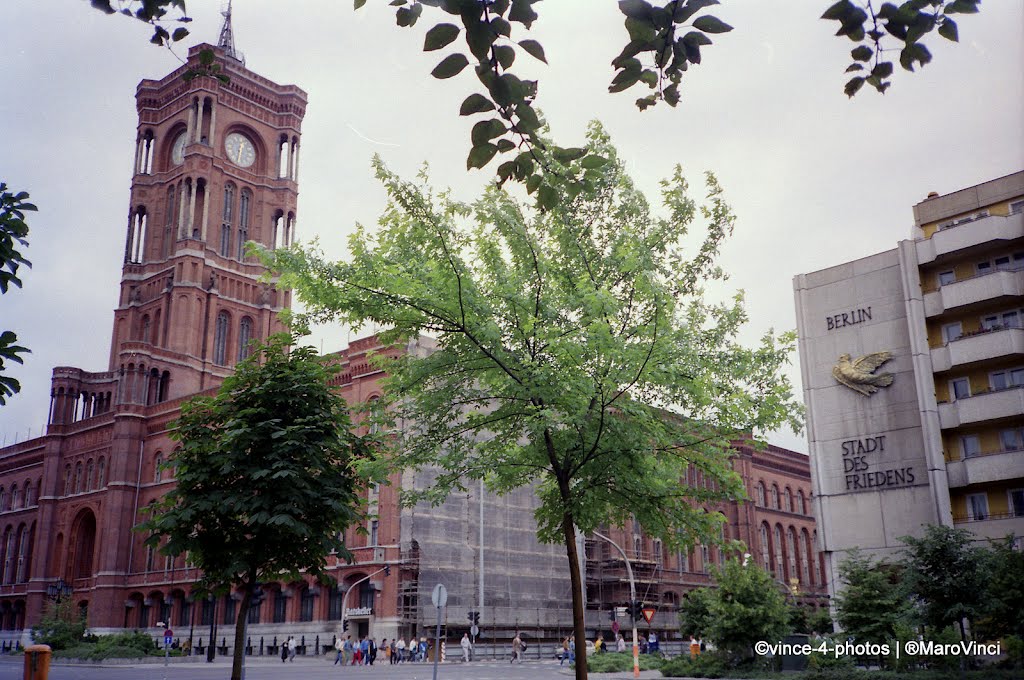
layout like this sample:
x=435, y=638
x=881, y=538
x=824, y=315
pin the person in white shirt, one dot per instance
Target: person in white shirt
x=400, y=648
x=466, y=644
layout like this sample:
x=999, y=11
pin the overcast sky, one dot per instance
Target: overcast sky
x=815, y=179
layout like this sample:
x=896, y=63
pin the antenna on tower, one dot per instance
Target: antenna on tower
x=227, y=37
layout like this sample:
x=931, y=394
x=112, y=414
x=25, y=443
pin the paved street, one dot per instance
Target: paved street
x=307, y=669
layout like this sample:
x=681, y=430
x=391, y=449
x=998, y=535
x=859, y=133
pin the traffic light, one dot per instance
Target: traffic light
x=469, y=615
x=636, y=610
x=387, y=570
x=611, y=614
x=476, y=618
x=344, y=625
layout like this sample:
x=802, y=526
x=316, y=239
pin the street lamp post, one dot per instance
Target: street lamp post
x=59, y=590
x=344, y=598
x=632, y=600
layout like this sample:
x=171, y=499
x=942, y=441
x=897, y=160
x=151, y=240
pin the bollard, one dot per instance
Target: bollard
x=37, y=662
x=316, y=647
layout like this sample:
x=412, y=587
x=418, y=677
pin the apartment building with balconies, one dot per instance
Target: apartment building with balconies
x=913, y=372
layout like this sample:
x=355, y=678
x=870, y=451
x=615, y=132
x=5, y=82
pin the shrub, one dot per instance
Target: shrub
x=707, y=665
x=621, y=662
x=61, y=627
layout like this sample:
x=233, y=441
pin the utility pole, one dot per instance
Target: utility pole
x=632, y=603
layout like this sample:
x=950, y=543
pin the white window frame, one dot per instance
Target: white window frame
x=976, y=516
x=953, y=396
x=946, y=334
x=970, y=451
x=1018, y=435
x=1014, y=507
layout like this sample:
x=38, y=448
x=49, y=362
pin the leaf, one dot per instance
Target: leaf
x=358, y=3
x=839, y=11
x=640, y=30
x=450, y=66
x=505, y=145
x=624, y=80
x=882, y=70
x=593, y=161
x=505, y=55
x=948, y=30
x=636, y=9
x=522, y=11
x=533, y=183
x=547, y=197
x=439, y=36
x=569, y=155
x=710, y=24
x=854, y=67
x=853, y=86
x=534, y=49
x=862, y=53
x=179, y=34
x=475, y=103
x=481, y=155
x=487, y=130
x=962, y=7
x=686, y=10
x=506, y=170
x=671, y=94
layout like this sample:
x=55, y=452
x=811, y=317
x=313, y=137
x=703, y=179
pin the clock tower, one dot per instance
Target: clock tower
x=216, y=165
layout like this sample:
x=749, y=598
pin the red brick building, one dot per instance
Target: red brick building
x=776, y=526
x=217, y=165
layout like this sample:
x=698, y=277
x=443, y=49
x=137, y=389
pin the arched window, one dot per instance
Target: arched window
x=775, y=496
x=280, y=607
x=779, y=573
x=169, y=222
x=791, y=550
x=23, y=548
x=101, y=476
x=760, y=494
x=158, y=467
x=67, y=480
x=375, y=414
x=15, y=497
x=144, y=329
x=28, y=494
x=766, y=547
x=306, y=605
x=816, y=559
x=801, y=502
x=244, y=337
x=805, y=570
x=9, y=555
x=78, y=477
x=90, y=480
x=225, y=228
x=243, y=221
x=788, y=498
x=220, y=339
x=3, y=499
x=705, y=559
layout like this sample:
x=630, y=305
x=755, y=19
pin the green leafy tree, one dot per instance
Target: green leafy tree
x=61, y=626
x=13, y=235
x=266, y=477
x=820, y=621
x=1003, y=609
x=948, y=575
x=663, y=40
x=575, y=352
x=695, y=612
x=871, y=605
x=747, y=606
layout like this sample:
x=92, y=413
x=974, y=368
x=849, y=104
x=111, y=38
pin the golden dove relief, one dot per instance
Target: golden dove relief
x=859, y=374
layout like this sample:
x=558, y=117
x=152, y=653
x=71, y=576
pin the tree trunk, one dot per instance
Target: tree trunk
x=240, y=621
x=576, y=581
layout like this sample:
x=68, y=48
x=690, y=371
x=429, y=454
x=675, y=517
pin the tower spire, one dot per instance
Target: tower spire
x=227, y=36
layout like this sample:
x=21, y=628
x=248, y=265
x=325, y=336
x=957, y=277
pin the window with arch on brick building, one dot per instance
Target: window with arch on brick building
x=788, y=498
x=158, y=467
x=220, y=339
x=775, y=497
x=760, y=494
x=101, y=474
x=244, y=338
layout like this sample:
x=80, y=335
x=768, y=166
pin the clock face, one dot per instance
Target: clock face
x=178, y=150
x=240, y=150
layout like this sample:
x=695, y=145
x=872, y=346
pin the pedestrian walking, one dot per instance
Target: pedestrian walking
x=373, y=651
x=291, y=648
x=411, y=648
x=348, y=651
x=620, y=643
x=564, y=656
x=694, y=647
x=517, y=649
x=466, y=644
x=284, y=651
x=423, y=649
x=400, y=650
x=364, y=650
x=338, y=647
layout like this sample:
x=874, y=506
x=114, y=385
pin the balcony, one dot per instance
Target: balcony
x=982, y=407
x=993, y=526
x=1001, y=283
x=975, y=233
x=988, y=467
x=977, y=348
